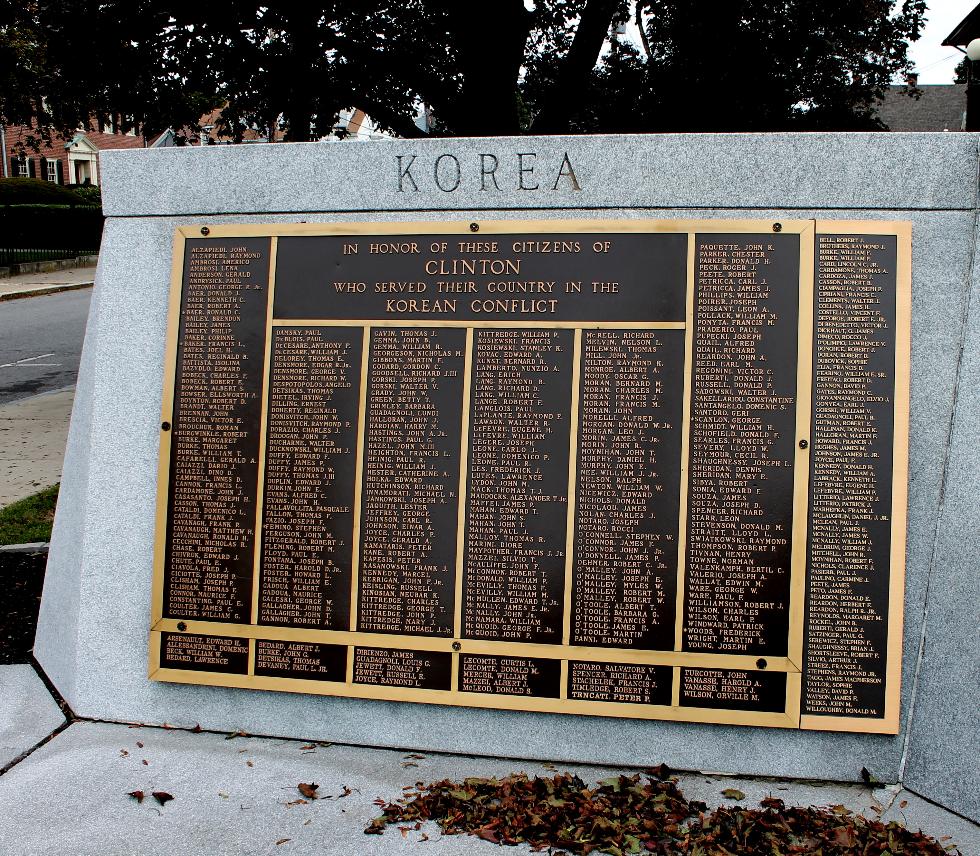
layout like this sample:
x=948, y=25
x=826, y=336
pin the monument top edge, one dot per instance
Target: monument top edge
x=839, y=171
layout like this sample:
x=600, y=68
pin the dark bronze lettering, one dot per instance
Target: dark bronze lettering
x=465, y=435
x=852, y=433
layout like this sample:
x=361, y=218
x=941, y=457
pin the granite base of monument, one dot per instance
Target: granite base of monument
x=92, y=637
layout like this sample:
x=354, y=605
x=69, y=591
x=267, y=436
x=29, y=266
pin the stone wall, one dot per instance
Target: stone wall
x=92, y=637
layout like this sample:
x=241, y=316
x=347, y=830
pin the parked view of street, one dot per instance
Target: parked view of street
x=41, y=343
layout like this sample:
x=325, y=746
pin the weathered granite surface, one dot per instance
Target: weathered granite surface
x=945, y=738
x=233, y=797
x=28, y=714
x=94, y=618
x=873, y=171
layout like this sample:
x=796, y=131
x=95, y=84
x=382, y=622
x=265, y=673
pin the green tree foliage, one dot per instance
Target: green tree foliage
x=961, y=74
x=551, y=66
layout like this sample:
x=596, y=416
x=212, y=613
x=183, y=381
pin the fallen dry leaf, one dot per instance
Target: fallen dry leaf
x=162, y=797
x=308, y=790
x=409, y=764
x=733, y=794
x=136, y=795
x=123, y=753
x=139, y=745
x=297, y=802
x=283, y=841
x=415, y=755
x=249, y=764
x=235, y=734
x=626, y=815
x=903, y=804
x=197, y=729
x=146, y=763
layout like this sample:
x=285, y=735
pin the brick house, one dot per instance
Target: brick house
x=64, y=161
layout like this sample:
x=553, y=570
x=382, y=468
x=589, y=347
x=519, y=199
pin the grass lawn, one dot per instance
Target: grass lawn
x=29, y=520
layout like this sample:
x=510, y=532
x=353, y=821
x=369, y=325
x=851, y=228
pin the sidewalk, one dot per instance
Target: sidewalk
x=32, y=284
x=33, y=434
x=239, y=796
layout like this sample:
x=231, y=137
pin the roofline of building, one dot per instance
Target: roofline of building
x=966, y=31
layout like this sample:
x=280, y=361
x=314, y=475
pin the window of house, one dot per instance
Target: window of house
x=53, y=171
x=22, y=170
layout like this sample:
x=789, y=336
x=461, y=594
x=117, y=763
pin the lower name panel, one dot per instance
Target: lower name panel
x=505, y=682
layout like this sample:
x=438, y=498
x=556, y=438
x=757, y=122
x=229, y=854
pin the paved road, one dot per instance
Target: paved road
x=41, y=342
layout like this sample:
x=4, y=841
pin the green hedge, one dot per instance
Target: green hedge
x=76, y=227
x=26, y=191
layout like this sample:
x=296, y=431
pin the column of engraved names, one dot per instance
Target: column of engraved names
x=308, y=496
x=215, y=440
x=517, y=503
x=850, y=476
x=411, y=481
x=624, y=575
x=742, y=444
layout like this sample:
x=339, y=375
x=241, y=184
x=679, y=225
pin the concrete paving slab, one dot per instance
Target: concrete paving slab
x=238, y=796
x=28, y=714
x=33, y=434
x=915, y=813
x=25, y=285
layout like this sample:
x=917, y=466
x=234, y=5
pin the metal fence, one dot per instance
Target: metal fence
x=14, y=256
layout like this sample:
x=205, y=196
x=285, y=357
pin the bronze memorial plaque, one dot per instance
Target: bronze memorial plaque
x=640, y=468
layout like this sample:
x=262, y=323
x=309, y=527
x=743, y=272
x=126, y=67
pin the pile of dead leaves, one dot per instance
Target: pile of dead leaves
x=627, y=814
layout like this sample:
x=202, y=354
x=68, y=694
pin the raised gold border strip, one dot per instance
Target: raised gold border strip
x=890, y=723
x=476, y=646
x=166, y=437
x=477, y=700
x=801, y=457
x=572, y=491
x=462, y=495
x=462, y=228
x=675, y=659
x=263, y=440
x=480, y=324
x=684, y=478
x=154, y=655
x=355, y=547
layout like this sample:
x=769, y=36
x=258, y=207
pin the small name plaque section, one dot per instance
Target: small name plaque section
x=215, y=431
x=551, y=471
x=743, y=416
x=849, y=559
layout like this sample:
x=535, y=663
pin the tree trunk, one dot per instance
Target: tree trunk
x=573, y=75
x=491, y=51
x=303, y=34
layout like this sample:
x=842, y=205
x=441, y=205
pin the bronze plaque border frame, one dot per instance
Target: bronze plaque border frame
x=792, y=664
